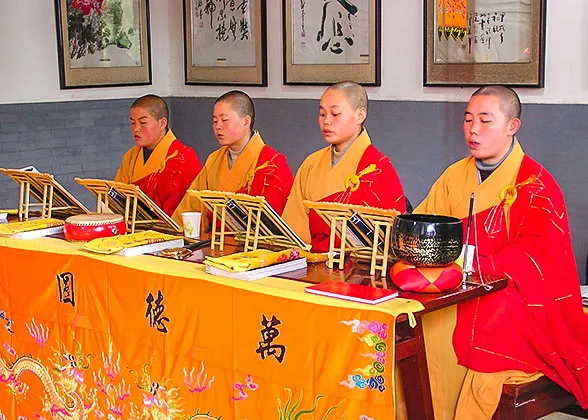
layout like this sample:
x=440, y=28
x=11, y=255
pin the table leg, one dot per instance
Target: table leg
x=411, y=359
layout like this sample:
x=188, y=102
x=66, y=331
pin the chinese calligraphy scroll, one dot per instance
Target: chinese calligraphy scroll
x=326, y=41
x=225, y=41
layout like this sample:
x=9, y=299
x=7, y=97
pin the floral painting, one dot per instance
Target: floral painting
x=104, y=33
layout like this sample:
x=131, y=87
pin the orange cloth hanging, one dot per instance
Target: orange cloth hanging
x=451, y=18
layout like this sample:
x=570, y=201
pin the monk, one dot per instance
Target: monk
x=349, y=170
x=520, y=230
x=161, y=165
x=243, y=163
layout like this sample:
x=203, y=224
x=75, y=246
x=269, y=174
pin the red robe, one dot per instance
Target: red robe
x=537, y=323
x=259, y=170
x=166, y=175
x=272, y=179
x=317, y=180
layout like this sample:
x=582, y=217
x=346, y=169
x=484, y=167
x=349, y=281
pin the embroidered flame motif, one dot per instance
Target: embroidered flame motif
x=200, y=384
x=352, y=182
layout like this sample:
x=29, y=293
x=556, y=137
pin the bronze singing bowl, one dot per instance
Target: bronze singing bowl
x=427, y=240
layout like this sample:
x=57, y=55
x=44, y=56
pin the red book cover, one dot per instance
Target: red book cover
x=355, y=292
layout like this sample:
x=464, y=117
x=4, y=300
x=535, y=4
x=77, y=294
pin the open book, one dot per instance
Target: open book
x=139, y=211
x=354, y=292
x=53, y=200
x=250, y=218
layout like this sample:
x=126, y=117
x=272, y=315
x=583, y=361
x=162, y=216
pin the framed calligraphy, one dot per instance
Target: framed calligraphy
x=225, y=42
x=103, y=43
x=484, y=42
x=328, y=41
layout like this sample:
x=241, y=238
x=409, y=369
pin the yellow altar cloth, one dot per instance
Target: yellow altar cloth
x=92, y=336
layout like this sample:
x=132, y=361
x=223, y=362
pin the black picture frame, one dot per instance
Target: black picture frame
x=223, y=73
x=366, y=73
x=77, y=37
x=530, y=73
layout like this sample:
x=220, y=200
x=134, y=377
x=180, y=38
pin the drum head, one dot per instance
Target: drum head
x=94, y=219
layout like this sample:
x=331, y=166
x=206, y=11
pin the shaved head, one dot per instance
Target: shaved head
x=154, y=105
x=354, y=92
x=510, y=104
x=241, y=103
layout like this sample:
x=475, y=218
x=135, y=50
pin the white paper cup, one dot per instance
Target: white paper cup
x=191, y=220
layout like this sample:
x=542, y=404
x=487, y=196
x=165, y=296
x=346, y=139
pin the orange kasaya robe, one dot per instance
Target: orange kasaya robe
x=379, y=186
x=166, y=175
x=537, y=323
x=259, y=170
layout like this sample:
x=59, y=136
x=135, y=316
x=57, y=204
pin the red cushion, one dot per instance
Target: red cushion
x=426, y=279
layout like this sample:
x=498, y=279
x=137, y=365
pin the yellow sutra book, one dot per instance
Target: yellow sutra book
x=138, y=243
x=256, y=264
x=32, y=228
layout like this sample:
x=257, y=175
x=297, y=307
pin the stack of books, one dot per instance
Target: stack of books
x=31, y=229
x=137, y=243
x=258, y=273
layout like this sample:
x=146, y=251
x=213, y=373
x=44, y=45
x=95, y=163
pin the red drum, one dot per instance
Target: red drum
x=85, y=227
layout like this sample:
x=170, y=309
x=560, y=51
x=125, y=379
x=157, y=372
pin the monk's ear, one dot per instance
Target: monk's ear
x=361, y=114
x=247, y=120
x=162, y=123
x=513, y=125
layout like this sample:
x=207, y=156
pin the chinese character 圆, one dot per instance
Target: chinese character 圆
x=154, y=312
x=65, y=283
x=268, y=335
x=333, y=30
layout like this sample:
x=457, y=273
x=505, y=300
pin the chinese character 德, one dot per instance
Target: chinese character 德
x=154, y=312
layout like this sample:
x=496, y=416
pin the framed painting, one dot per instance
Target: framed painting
x=326, y=41
x=225, y=42
x=103, y=43
x=484, y=42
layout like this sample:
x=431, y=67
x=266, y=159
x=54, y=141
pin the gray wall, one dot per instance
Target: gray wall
x=88, y=139
x=84, y=139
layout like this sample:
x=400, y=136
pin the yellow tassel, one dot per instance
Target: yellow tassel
x=352, y=181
